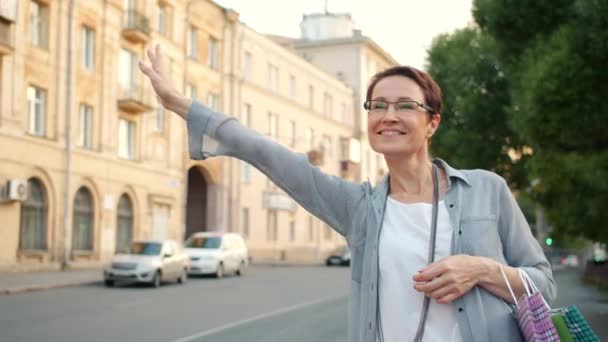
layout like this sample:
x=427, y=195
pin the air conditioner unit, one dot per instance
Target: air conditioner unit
x=15, y=190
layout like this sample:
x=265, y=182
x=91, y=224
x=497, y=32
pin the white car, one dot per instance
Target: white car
x=217, y=253
x=150, y=262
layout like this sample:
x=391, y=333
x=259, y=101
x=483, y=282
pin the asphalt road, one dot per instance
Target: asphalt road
x=266, y=304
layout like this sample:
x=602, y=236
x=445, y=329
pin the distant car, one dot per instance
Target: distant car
x=150, y=262
x=570, y=260
x=339, y=257
x=216, y=253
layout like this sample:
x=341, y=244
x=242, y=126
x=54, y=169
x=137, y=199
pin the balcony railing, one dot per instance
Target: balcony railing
x=349, y=170
x=6, y=41
x=136, y=27
x=134, y=99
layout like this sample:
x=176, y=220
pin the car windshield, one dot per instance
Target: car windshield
x=204, y=242
x=145, y=248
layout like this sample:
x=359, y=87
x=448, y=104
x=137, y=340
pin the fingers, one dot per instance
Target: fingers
x=431, y=272
x=447, y=299
x=432, y=285
x=147, y=70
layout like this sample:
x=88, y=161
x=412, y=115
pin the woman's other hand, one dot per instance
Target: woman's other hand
x=451, y=277
x=169, y=97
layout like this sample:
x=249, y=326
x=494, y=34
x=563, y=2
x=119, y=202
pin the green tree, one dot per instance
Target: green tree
x=554, y=54
x=475, y=131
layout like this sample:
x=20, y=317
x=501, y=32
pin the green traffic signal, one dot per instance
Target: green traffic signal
x=549, y=241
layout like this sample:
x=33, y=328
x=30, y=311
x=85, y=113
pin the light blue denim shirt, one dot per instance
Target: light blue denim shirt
x=486, y=219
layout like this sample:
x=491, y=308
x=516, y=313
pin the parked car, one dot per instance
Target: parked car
x=216, y=253
x=149, y=262
x=340, y=257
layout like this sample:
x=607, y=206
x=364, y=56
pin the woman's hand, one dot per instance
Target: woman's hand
x=169, y=97
x=451, y=277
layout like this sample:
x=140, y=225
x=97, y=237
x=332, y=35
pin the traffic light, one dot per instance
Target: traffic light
x=548, y=241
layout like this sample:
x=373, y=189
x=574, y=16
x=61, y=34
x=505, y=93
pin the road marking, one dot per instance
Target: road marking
x=255, y=318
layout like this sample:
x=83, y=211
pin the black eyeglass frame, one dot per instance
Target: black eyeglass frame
x=367, y=105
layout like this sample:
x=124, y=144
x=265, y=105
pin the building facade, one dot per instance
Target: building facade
x=281, y=95
x=103, y=163
x=89, y=161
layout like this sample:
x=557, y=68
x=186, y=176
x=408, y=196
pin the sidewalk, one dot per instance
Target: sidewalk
x=20, y=282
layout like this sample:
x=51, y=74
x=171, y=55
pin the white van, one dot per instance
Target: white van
x=216, y=253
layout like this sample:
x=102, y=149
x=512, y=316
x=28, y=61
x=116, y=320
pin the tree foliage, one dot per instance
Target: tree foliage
x=553, y=58
x=475, y=130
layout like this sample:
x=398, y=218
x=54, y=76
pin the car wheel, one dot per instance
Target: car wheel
x=327, y=263
x=241, y=270
x=109, y=283
x=183, y=277
x=220, y=271
x=156, y=280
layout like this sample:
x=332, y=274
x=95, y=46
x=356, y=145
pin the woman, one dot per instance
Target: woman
x=477, y=224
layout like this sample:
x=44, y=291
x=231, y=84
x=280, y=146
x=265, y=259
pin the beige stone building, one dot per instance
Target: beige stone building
x=81, y=128
x=89, y=161
x=279, y=94
x=330, y=41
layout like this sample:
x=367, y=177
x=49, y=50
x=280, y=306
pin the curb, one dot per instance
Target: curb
x=34, y=288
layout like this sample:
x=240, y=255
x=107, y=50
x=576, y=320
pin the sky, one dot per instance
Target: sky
x=404, y=28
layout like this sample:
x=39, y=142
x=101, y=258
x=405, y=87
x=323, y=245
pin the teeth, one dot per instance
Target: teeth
x=390, y=133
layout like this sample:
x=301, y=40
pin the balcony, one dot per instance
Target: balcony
x=136, y=27
x=316, y=157
x=349, y=170
x=6, y=42
x=134, y=100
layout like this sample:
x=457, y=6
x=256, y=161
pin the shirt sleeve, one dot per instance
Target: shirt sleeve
x=521, y=249
x=330, y=198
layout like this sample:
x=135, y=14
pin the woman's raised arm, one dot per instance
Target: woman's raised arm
x=210, y=133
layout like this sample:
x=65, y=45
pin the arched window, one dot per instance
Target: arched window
x=124, y=224
x=32, y=235
x=82, y=223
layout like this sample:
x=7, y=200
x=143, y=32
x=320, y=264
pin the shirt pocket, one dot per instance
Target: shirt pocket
x=479, y=237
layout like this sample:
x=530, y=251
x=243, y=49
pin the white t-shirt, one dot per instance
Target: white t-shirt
x=403, y=251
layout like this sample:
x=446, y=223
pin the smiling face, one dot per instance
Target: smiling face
x=405, y=132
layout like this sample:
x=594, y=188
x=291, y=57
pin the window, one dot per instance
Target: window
x=326, y=145
x=271, y=230
x=126, y=139
x=245, y=223
x=82, y=222
x=328, y=105
x=192, y=42
x=162, y=19
x=213, y=53
x=246, y=119
x=273, y=78
x=160, y=119
x=36, y=104
x=245, y=172
x=292, y=229
x=85, y=126
x=273, y=125
x=310, y=138
x=292, y=87
x=88, y=48
x=38, y=24
x=292, y=133
x=32, y=230
x=191, y=91
x=345, y=118
x=247, y=66
x=311, y=228
x=311, y=97
x=124, y=224
x=212, y=101
x=127, y=71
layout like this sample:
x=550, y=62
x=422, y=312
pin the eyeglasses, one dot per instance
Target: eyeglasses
x=405, y=106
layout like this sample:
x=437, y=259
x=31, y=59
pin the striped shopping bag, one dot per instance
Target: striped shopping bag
x=578, y=327
x=532, y=312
